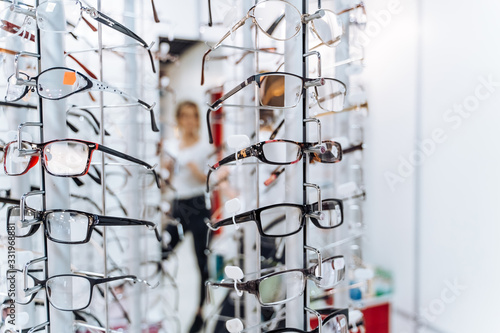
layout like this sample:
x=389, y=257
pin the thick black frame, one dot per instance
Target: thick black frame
x=256, y=150
x=99, y=86
x=306, y=210
x=40, y=147
x=92, y=281
x=94, y=221
x=252, y=286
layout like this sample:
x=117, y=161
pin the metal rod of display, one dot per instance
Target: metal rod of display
x=52, y=47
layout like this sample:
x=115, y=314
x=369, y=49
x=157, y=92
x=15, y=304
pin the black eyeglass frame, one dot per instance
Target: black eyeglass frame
x=40, y=217
x=41, y=284
x=306, y=210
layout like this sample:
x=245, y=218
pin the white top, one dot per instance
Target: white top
x=184, y=182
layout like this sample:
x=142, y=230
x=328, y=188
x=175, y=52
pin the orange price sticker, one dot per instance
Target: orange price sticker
x=69, y=78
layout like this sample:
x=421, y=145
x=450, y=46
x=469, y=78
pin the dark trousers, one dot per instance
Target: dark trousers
x=192, y=213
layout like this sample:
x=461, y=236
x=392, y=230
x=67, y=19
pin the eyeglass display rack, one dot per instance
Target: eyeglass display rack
x=123, y=125
x=342, y=180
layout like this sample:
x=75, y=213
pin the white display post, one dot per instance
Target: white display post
x=56, y=188
x=251, y=239
x=341, y=129
x=294, y=253
x=133, y=198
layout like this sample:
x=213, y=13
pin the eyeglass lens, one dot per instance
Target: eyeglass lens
x=16, y=163
x=14, y=24
x=66, y=158
x=273, y=220
x=47, y=10
x=333, y=271
x=328, y=28
x=15, y=91
x=61, y=158
x=272, y=90
x=58, y=83
x=69, y=292
x=337, y=324
x=14, y=220
x=281, y=152
x=21, y=296
x=281, y=287
x=277, y=19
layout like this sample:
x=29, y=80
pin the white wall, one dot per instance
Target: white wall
x=423, y=58
x=456, y=196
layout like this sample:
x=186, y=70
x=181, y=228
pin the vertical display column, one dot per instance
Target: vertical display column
x=56, y=188
x=294, y=125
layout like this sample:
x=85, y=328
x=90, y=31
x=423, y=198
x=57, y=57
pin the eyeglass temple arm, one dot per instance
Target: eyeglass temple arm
x=247, y=152
x=248, y=286
x=101, y=86
x=352, y=148
x=210, y=22
x=236, y=26
x=217, y=104
x=20, y=106
x=155, y=13
x=116, y=153
x=240, y=218
x=361, y=4
x=108, y=21
x=122, y=221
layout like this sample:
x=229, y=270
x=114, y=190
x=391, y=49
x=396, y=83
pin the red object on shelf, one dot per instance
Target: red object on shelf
x=377, y=318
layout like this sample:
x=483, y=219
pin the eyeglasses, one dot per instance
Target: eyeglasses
x=284, y=152
x=65, y=225
x=281, y=287
x=280, y=20
x=335, y=321
x=62, y=158
x=66, y=292
x=329, y=93
x=60, y=82
x=270, y=220
x=18, y=19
